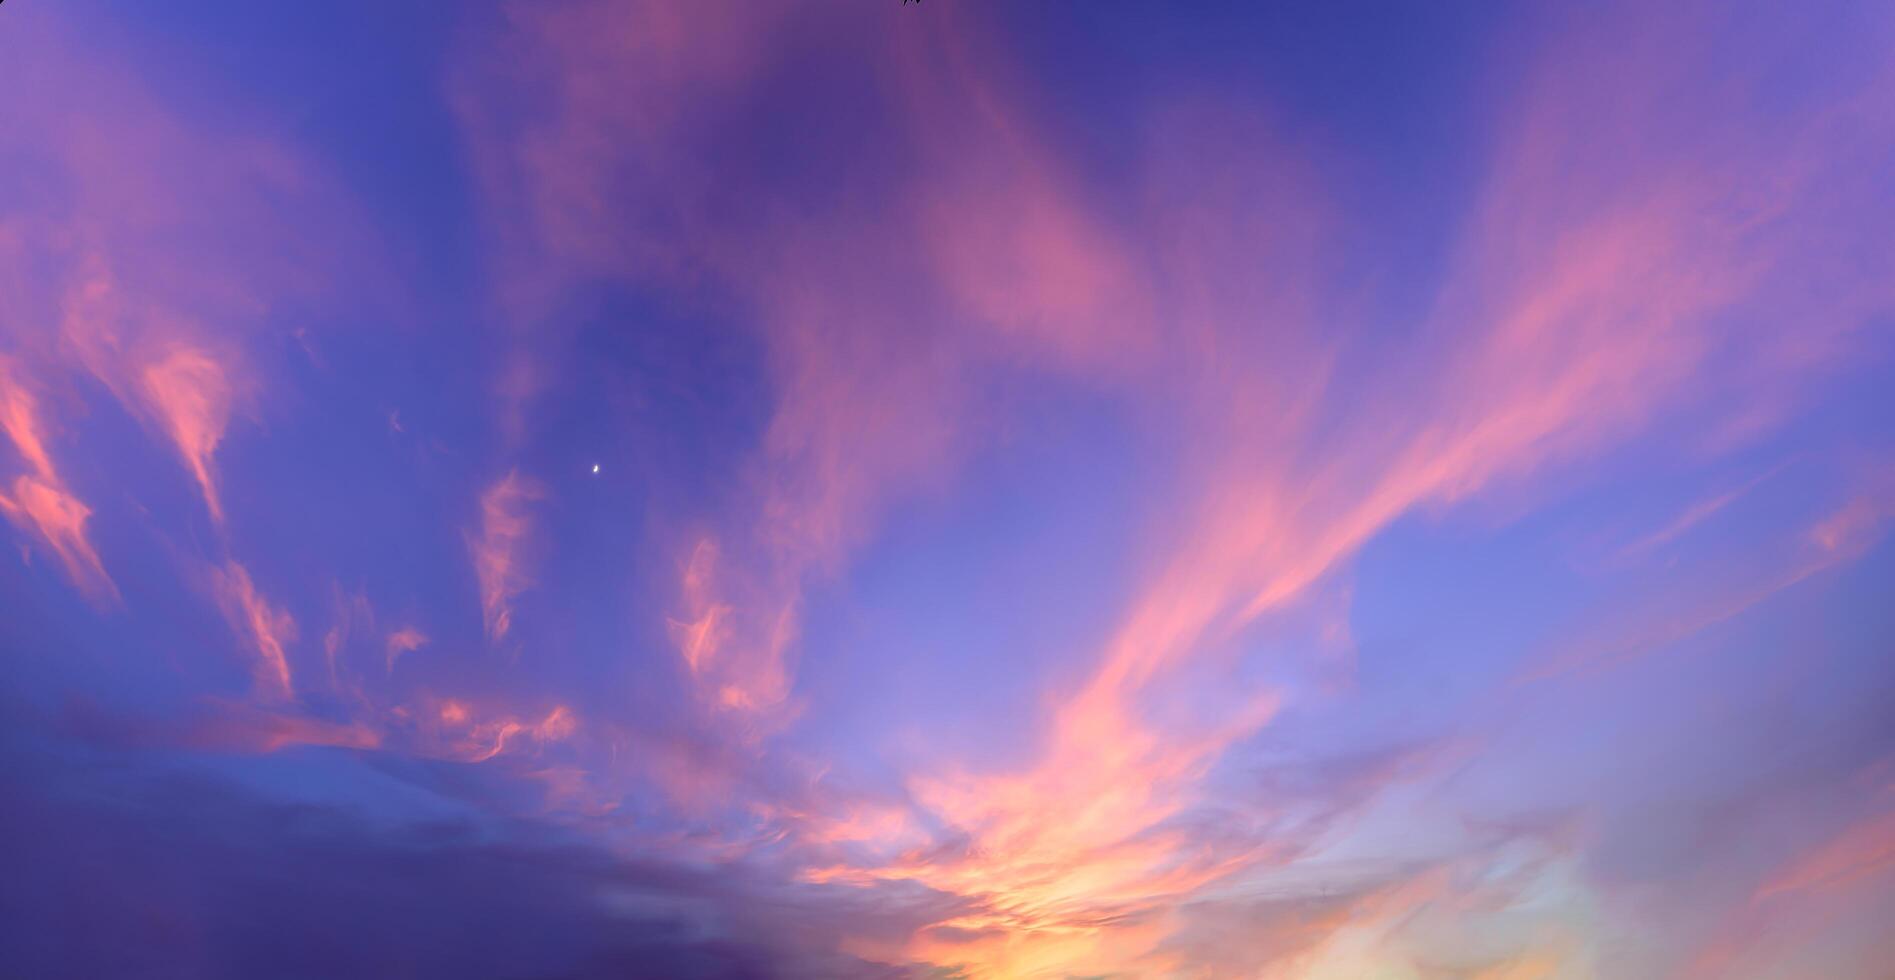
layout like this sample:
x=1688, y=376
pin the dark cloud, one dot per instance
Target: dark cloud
x=118, y=869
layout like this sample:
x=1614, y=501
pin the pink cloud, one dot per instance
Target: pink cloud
x=1580, y=306
x=60, y=520
x=402, y=641
x=242, y=728
x=1719, y=590
x=163, y=280
x=267, y=628
x=1862, y=851
x=39, y=501
x=1563, y=328
x=496, y=546
x=188, y=392
x=453, y=729
x=1693, y=516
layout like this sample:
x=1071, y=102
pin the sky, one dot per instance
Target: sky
x=628, y=488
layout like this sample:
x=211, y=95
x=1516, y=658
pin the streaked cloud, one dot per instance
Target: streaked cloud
x=188, y=392
x=266, y=629
x=402, y=641
x=950, y=491
x=39, y=501
x=496, y=545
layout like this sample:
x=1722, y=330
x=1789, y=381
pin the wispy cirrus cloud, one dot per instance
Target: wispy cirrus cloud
x=1571, y=316
x=39, y=499
x=403, y=641
x=190, y=395
x=265, y=627
x=1066, y=508
x=1859, y=852
x=497, y=545
x=153, y=283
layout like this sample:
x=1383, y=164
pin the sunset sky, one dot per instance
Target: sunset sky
x=688, y=488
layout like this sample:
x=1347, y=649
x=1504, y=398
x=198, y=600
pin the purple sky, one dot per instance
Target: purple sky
x=623, y=488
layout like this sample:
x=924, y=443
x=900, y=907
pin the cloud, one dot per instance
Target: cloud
x=153, y=283
x=402, y=641
x=1721, y=588
x=245, y=729
x=267, y=628
x=1575, y=311
x=39, y=501
x=196, y=876
x=496, y=546
x=631, y=99
x=165, y=282
x=1862, y=851
x=188, y=392
x=1561, y=329
x=453, y=730
x=932, y=255
x=1692, y=516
